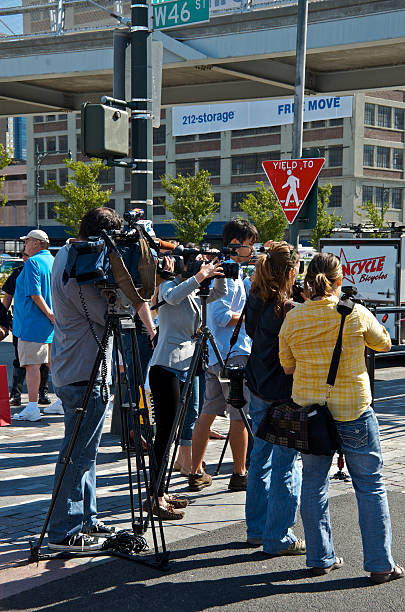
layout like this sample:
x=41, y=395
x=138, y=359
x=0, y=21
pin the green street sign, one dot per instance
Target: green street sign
x=176, y=13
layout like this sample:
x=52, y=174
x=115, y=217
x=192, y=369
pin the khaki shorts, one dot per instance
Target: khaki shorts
x=32, y=353
x=216, y=393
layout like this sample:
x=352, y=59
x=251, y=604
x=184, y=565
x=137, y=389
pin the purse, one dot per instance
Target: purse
x=308, y=429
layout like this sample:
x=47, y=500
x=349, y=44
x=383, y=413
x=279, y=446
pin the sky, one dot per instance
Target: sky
x=14, y=22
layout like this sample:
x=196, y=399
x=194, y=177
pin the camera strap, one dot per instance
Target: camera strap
x=235, y=333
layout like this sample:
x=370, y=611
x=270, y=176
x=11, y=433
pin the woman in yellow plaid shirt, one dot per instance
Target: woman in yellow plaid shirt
x=306, y=341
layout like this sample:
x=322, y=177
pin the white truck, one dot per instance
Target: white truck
x=376, y=268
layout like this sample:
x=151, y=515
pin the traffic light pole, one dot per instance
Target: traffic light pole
x=141, y=108
x=300, y=60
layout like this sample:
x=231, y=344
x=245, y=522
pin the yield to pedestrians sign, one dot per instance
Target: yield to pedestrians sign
x=292, y=180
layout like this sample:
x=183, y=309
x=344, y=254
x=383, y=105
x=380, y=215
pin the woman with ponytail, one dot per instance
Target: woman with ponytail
x=274, y=481
x=307, y=339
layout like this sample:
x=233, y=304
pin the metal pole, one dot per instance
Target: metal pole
x=121, y=39
x=141, y=107
x=37, y=165
x=300, y=58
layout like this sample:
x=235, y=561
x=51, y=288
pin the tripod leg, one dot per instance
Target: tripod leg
x=81, y=412
x=222, y=455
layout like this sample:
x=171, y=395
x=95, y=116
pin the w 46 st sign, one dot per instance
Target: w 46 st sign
x=176, y=13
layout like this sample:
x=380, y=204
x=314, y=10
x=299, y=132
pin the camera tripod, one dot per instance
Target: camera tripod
x=122, y=544
x=200, y=356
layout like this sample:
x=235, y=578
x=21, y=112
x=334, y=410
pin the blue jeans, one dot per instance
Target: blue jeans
x=273, y=488
x=76, y=504
x=361, y=446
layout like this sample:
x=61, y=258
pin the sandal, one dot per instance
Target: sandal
x=397, y=572
x=321, y=571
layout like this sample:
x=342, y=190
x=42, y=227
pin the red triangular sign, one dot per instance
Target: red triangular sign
x=292, y=180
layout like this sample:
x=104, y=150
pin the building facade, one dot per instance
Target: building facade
x=364, y=161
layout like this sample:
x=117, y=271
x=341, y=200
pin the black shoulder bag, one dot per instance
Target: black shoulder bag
x=308, y=429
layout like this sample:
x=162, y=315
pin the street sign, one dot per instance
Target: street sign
x=176, y=13
x=292, y=180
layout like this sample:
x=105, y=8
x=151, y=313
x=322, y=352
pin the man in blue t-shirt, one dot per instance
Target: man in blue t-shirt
x=33, y=318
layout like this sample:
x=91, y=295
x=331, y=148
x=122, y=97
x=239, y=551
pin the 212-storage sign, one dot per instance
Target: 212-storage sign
x=206, y=118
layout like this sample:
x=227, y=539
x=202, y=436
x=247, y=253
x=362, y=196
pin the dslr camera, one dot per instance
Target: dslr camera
x=183, y=256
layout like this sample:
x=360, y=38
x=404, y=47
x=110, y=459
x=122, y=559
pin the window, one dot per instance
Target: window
x=212, y=164
x=158, y=208
x=398, y=118
x=367, y=194
x=210, y=136
x=63, y=143
x=396, y=197
x=185, y=167
x=107, y=177
x=335, y=122
x=79, y=143
x=318, y=124
x=63, y=176
x=368, y=155
x=383, y=157
x=62, y=117
x=382, y=196
x=251, y=164
x=398, y=159
x=38, y=119
x=51, y=144
x=335, y=156
x=384, y=116
x=41, y=175
x=159, y=135
x=369, y=114
x=111, y=203
x=51, y=210
x=51, y=175
x=335, y=200
x=159, y=168
x=51, y=117
x=236, y=199
x=188, y=138
x=127, y=175
x=39, y=145
x=41, y=210
x=274, y=129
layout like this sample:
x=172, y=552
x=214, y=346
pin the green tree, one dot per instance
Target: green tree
x=325, y=222
x=264, y=211
x=192, y=204
x=375, y=216
x=5, y=160
x=81, y=193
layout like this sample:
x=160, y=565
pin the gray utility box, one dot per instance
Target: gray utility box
x=105, y=131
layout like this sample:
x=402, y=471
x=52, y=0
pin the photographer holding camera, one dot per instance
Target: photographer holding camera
x=179, y=319
x=222, y=317
x=74, y=526
x=274, y=484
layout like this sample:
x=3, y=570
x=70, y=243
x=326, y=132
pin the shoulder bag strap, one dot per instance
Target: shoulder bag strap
x=343, y=308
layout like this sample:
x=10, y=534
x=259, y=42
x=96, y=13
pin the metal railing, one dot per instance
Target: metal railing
x=34, y=18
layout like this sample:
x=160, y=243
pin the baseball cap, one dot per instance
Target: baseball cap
x=37, y=235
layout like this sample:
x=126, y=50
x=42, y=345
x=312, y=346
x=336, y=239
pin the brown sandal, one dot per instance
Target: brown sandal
x=397, y=572
x=321, y=571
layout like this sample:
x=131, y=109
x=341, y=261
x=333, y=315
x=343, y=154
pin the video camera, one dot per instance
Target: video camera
x=184, y=256
x=122, y=259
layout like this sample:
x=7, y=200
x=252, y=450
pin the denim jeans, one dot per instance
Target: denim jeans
x=76, y=504
x=361, y=446
x=273, y=488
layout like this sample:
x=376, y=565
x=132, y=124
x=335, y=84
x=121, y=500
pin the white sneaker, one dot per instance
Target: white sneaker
x=55, y=408
x=29, y=413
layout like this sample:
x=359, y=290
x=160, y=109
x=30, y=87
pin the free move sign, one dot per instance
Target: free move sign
x=292, y=180
x=176, y=13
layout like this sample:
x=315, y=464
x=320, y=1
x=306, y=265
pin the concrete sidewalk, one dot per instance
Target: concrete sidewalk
x=28, y=452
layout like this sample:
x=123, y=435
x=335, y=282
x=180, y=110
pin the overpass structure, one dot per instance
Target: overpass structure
x=246, y=51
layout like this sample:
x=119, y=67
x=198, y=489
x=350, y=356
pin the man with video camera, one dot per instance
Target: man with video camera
x=74, y=526
x=222, y=317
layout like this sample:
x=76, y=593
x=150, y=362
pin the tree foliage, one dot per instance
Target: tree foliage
x=5, y=160
x=81, y=193
x=325, y=222
x=192, y=204
x=264, y=211
x=375, y=216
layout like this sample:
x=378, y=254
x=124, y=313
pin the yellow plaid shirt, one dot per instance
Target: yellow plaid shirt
x=307, y=339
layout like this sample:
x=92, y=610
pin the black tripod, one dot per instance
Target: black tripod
x=200, y=355
x=123, y=544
